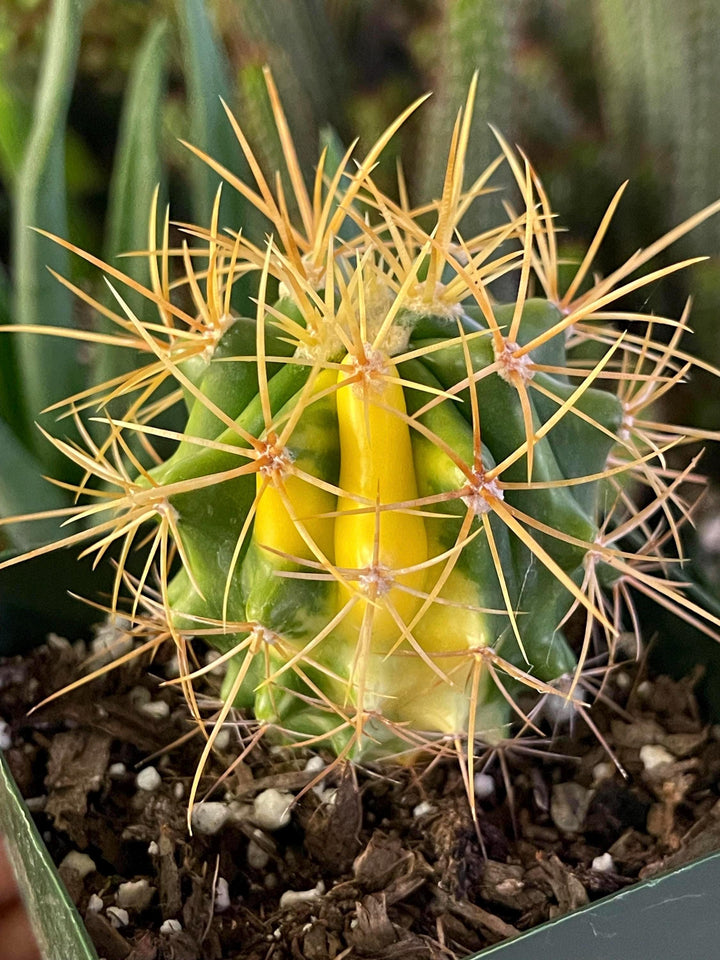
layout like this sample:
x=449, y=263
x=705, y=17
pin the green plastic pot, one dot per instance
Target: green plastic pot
x=675, y=915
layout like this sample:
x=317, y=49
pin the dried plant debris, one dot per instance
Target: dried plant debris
x=284, y=864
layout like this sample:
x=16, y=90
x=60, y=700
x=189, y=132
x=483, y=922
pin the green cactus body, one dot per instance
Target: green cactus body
x=367, y=549
x=392, y=493
x=287, y=522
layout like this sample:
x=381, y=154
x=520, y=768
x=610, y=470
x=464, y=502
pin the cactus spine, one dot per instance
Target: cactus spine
x=392, y=492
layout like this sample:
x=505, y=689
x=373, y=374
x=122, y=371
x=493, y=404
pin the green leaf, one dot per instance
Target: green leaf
x=9, y=407
x=469, y=36
x=299, y=45
x=137, y=168
x=297, y=41
x=207, y=80
x=57, y=926
x=83, y=172
x=23, y=489
x=259, y=120
x=14, y=124
x=330, y=141
x=50, y=367
x=137, y=171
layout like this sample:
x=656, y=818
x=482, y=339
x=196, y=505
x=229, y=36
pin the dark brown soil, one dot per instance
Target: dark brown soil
x=390, y=867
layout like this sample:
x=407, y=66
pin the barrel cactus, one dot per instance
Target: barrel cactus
x=392, y=491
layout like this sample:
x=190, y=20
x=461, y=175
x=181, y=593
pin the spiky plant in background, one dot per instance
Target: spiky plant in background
x=391, y=492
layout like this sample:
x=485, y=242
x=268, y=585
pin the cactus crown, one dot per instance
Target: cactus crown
x=391, y=491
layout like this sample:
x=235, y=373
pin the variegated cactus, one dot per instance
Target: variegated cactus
x=391, y=491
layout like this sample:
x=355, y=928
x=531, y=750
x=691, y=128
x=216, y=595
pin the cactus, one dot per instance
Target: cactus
x=391, y=492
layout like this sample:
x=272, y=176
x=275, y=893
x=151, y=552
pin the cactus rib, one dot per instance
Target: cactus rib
x=392, y=492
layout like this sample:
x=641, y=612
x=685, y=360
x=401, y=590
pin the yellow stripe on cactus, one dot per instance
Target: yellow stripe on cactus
x=278, y=528
x=376, y=467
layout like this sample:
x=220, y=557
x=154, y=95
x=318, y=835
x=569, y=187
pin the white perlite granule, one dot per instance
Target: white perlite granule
x=315, y=765
x=95, y=903
x=134, y=895
x=222, y=895
x=209, y=818
x=483, y=786
x=5, y=738
x=271, y=809
x=148, y=779
x=118, y=917
x=292, y=897
x=653, y=755
x=155, y=709
x=81, y=863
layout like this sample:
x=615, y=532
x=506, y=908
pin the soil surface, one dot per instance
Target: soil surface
x=358, y=866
